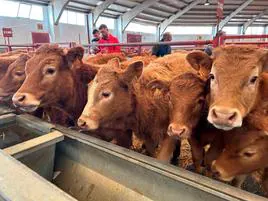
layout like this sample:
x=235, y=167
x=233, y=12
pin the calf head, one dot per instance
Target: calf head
x=187, y=95
x=5, y=61
x=49, y=78
x=234, y=84
x=13, y=78
x=110, y=94
x=244, y=153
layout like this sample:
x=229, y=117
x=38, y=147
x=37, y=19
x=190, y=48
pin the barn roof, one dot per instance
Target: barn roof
x=156, y=12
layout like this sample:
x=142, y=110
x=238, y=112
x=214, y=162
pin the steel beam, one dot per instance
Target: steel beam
x=58, y=7
x=165, y=23
x=234, y=13
x=100, y=8
x=248, y=23
x=130, y=15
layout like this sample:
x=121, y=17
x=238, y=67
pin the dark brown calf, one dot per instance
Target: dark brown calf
x=53, y=81
x=187, y=93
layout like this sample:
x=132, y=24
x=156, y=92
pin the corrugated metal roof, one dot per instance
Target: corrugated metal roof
x=163, y=9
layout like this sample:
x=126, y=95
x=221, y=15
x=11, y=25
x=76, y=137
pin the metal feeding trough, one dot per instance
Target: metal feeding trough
x=85, y=168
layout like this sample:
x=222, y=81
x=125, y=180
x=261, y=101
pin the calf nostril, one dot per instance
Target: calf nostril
x=21, y=98
x=216, y=174
x=183, y=130
x=214, y=114
x=81, y=123
x=233, y=116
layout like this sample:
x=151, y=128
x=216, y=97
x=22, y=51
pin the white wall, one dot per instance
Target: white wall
x=146, y=37
x=22, y=29
x=191, y=37
x=70, y=33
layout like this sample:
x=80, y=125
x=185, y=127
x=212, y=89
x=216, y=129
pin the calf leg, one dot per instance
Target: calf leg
x=197, y=154
x=124, y=138
x=265, y=182
x=167, y=148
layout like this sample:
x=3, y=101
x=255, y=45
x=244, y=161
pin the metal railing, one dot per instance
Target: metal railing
x=262, y=41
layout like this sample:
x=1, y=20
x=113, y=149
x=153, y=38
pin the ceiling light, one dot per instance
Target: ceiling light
x=206, y=3
x=99, y=3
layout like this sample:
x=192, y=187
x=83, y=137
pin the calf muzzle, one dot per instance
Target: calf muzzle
x=178, y=131
x=25, y=102
x=225, y=118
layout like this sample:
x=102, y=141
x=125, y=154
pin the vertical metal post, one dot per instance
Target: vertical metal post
x=50, y=20
x=90, y=26
x=118, y=26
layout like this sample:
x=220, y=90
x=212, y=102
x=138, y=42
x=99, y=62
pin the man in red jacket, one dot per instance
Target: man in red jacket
x=107, y=38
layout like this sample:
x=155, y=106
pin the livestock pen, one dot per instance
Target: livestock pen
x=90, y=169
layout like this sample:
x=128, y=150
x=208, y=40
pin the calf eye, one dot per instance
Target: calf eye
x=19, y=73
x=248, y=154
x=50, y=71
x=106, y=94
x=253, y=79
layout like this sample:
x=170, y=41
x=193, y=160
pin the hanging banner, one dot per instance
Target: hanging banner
x=220, y=9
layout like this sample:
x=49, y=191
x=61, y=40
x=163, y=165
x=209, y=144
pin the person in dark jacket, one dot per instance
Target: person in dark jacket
x=162, y=50
x=97, y=37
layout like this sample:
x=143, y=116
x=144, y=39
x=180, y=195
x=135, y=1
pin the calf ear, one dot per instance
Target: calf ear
x=158, y=84
x=134, y=70
x=198, y=59
x=115, y=63
x=74, y=54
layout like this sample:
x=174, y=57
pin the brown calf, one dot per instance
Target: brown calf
x=244, y=153
x=53, y=81
x=5, y=61
x=186, y=95
x=13, y=78
x=117, y=94
x=256, y=119
x=234, y=83
x=104, y=58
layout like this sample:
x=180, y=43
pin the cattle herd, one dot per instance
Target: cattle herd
x=218, y=103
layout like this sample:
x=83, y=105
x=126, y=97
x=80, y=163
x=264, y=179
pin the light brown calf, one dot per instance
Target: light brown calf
x=234, y=83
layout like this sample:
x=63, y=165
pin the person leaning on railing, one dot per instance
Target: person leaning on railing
x=162, y=50
x=107, y=37
x=94, y=49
